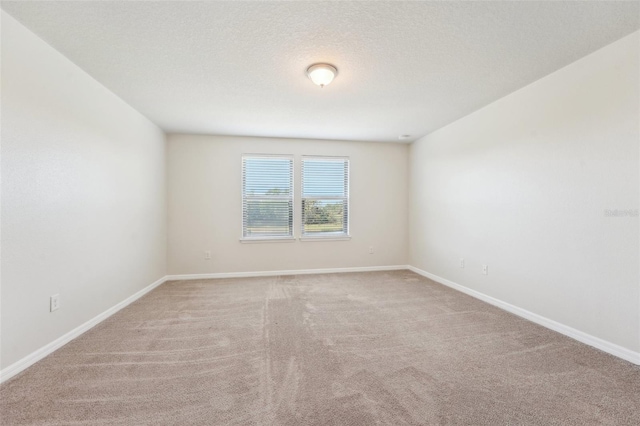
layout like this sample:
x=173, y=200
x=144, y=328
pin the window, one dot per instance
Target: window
x=267, y=197
x=325, y=197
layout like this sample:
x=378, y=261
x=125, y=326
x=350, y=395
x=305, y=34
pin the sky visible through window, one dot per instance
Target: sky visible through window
x=267, y=176
x=267, y=197
x=325, y=196
x=324, y=178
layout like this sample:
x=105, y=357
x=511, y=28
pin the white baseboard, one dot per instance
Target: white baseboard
x=611, y=348
x=286, y=272
x=596, y=342
x=32, y=358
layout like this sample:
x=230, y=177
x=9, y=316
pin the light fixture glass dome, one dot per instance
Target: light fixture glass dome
x=322, y=74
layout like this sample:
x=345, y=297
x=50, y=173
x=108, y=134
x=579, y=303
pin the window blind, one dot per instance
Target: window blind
x=325, y=196
x=267, y=196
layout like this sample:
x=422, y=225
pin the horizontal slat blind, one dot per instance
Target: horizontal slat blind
x=267, y=196
x=325, y=196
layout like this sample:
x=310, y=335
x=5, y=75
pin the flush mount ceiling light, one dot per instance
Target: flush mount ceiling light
x=402, y=137
x=322, y=74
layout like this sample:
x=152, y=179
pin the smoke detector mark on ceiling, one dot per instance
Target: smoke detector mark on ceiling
x=405, y=67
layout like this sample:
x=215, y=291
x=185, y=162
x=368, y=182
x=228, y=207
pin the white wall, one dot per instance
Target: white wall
x=205, y=210
x=523, y=184
x=83, y=195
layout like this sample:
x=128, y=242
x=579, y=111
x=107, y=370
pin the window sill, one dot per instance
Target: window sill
x=267, y=240
x=326, y=238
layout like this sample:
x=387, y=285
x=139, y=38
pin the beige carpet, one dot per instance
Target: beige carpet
x=338, y=349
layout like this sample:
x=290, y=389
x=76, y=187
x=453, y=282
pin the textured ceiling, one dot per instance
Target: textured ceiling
x=238, y=68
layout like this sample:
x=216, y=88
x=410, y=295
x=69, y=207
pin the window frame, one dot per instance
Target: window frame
x=343, y=236
x=292, y=197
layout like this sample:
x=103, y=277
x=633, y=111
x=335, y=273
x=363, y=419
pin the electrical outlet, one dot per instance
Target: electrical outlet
x=207, y=255
x=462, y=262
x=54, y=302
x=371, y=250
x=485, y=269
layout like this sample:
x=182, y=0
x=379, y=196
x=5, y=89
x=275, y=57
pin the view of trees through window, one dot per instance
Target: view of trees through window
x=268, y=217
x=267, y=196
x=323, y=216
x=325, y=196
